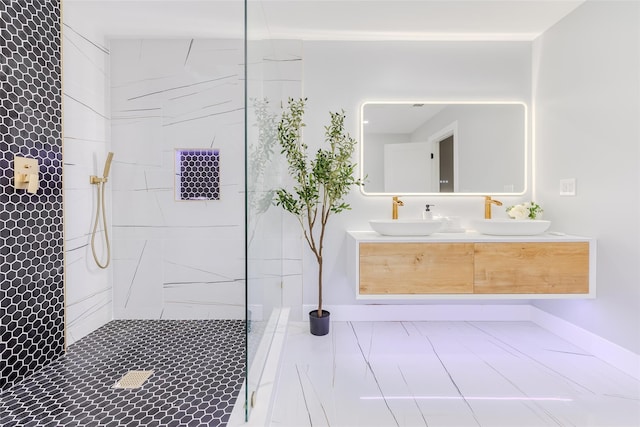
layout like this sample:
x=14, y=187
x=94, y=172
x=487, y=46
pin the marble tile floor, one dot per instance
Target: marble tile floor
x=453, y=374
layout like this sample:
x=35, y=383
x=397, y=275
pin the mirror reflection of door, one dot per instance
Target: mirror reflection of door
x=446, y=178
x=444, y=143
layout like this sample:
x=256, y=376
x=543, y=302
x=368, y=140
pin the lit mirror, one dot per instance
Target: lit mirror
x=443, y=147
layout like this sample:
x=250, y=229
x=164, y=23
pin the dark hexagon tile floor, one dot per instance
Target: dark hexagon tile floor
x=199, y=368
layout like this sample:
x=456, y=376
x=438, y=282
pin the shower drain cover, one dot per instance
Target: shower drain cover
x=133, y=379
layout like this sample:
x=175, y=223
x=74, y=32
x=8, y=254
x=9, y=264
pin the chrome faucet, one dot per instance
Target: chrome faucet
x=488, y=201
x=394, y=208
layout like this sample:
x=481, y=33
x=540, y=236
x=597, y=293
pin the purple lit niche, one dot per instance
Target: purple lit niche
x=198, y=174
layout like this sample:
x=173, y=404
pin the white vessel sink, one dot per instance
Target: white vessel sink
x=511, y=227
x=405, y=227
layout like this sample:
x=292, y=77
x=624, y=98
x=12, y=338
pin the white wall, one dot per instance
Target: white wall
x=342, y=75
x=176, y=259
x=86, y=121
x=587, y=100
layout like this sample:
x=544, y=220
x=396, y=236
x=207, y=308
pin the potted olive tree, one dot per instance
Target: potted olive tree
x=320, y=184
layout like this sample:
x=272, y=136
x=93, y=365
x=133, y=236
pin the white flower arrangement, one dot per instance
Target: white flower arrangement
x=526, y=210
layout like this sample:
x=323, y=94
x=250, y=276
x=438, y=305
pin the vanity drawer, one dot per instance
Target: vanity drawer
x=531, y=268
x=415, y=268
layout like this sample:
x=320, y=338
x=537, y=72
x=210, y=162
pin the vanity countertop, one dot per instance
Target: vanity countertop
x=468, y=236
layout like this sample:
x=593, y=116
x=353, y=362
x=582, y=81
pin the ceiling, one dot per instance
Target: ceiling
x=321, y=19
x=406, y=117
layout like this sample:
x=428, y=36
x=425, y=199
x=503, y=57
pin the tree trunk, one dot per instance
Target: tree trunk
x=320, y=286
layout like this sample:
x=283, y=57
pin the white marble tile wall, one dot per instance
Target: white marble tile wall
x=447, y=374
x=86, y=122
x=176, y=259
x=273, y=75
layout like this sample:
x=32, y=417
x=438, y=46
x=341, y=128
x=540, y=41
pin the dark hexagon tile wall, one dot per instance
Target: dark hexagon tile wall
x=31, y=241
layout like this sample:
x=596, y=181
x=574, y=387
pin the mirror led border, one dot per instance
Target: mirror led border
x=526, y=167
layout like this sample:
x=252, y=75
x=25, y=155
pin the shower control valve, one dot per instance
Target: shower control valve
x=25, y=174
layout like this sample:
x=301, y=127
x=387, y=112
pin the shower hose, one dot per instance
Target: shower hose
x=101, y=211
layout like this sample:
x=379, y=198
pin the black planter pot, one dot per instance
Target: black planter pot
x=319, y=326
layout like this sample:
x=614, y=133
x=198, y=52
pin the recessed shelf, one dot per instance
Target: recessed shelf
x=197, y=174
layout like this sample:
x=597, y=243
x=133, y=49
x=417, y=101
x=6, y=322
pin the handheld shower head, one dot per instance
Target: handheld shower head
x=107, y=165
x=100, y=210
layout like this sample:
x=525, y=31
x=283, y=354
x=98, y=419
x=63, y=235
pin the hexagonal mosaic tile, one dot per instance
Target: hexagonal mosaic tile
x=31, y=241
x=198, y=173
x=198, y=369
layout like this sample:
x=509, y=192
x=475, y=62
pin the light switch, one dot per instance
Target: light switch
x=568, y=187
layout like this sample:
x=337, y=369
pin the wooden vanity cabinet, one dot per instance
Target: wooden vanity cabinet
x=416, y=268
x=480, y=268
x=531, y=268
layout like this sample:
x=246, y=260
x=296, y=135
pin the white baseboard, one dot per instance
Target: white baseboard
x=615, y=355
x=416, y=313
